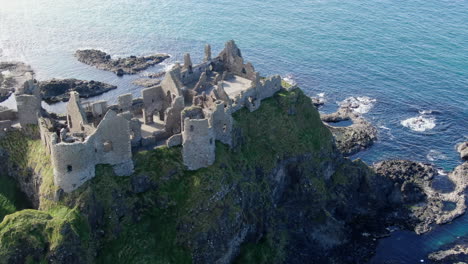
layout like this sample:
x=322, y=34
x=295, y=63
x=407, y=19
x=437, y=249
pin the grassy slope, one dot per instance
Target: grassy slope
x=270, y=134
x=38, y=229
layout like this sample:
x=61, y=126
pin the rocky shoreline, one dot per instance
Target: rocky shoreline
x=120, y=66
x=57, y=90
x=424, y=206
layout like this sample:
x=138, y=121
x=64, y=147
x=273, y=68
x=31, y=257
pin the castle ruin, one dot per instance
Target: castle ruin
x=192, y=107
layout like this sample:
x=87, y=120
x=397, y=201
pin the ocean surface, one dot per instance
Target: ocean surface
x=404, y=62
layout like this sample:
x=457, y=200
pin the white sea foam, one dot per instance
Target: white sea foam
x=6, y=73
x=321, y=95
x=168, y=66
x=359, y=105
x=420, y=123
x=434, y=155
x=442, y=172
x=289, y=78
x=425, y=112
x=384, y=127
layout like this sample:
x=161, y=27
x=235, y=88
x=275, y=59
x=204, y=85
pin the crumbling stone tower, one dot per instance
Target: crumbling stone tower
x=28, y=100
x=198, y=144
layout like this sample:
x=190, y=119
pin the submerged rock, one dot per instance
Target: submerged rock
x=55, y=90
x=120, y=66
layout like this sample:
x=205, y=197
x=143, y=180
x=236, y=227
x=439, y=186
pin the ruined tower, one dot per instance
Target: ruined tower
x=198, y=139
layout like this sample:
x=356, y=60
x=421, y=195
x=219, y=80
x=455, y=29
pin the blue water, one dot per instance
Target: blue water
x=408, y=55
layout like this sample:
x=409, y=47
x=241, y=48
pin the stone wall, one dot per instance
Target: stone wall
x=154, y=101
x=198, y=140
x=74, y=163
x=173, y=119
x=76, y=116
x=28, y=109
x=221, y=121
x=8, y=114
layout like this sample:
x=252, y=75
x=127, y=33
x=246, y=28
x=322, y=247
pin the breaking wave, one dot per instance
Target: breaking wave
x=420, y=123
x=434, y=155
x=359, y=105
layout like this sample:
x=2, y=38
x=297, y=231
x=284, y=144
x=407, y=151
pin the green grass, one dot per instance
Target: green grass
x=266, y=139
x=40, y=230
x=29, y=154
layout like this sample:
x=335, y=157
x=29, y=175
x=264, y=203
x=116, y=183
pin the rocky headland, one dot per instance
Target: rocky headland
x=58, y=90
x=350, y=139
x=120, y=66
x=288, y=197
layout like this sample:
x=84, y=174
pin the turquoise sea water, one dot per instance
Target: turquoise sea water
x=411, y=57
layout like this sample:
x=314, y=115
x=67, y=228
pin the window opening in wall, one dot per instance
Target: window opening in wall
x=70, y=122
x=69, y=168
x=211, y=141
x=224, y=128
x=191, y=128
x=107, y=146
x=244, y=71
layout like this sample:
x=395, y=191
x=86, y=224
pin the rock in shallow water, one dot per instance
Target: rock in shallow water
x=352, y=139
x=121, y=66
x=55, y=90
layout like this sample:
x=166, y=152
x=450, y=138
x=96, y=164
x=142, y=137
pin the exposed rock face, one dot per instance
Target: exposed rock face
x=317, y=101
x=352, y=139
x=121, y=66
x=426, y=206
x=56, y=90
x=463, y=150
x=12, y=77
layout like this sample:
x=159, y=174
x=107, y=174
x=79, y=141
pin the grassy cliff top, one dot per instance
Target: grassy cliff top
x=164, y=223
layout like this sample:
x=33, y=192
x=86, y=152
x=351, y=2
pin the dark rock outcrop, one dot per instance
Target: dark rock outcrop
x=120, y=66
x=55, y=90
x=352, y=139
x=413, y=195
